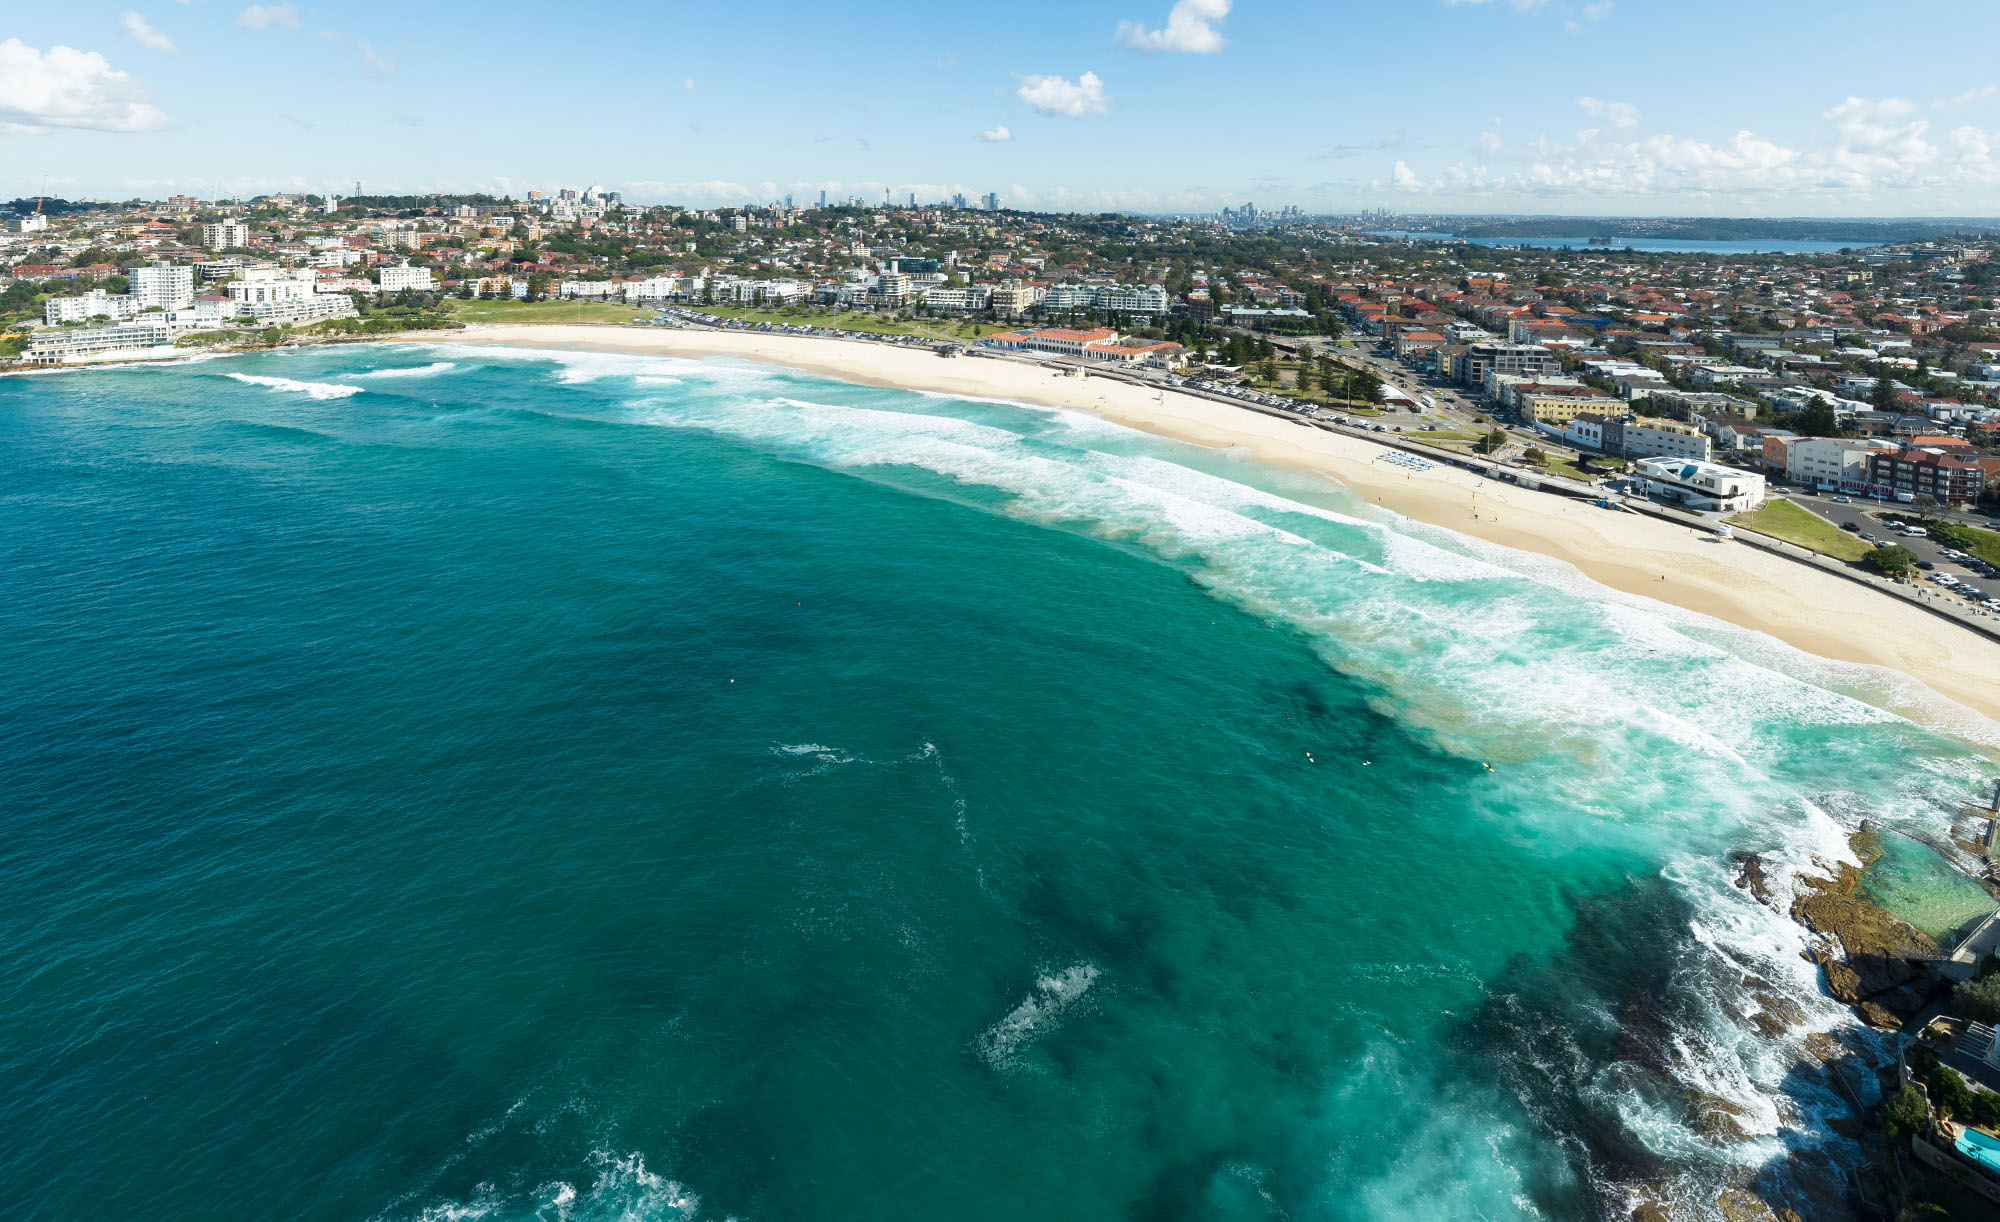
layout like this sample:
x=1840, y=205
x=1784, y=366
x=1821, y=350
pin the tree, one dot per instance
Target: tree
x=1307, y=380
x=1904, y=1114
x=1818, y=420
x=1491, y=442
x=1883, y=397
x=1890, y=560
x=1367, y=386
x=1980, y=998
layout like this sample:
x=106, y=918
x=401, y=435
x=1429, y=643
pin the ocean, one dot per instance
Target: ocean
x=449, y=783
x=1655, y=246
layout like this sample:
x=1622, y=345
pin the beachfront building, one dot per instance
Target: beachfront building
x=97, y=303
x=1011, y=298
x=1930, y=471
x=1550, y=408
x=396, y=279
x=1645, y=437
x=1700, y=485
x=143, y=338
x=1099, y=344
x=1831, y=463
x=969, y=299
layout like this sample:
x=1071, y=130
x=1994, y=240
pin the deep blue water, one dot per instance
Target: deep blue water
x=1650, y=245
x=444, y=784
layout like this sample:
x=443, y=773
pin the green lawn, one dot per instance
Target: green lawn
x=956, y=329
x=540, y=311
x=1781, y=519
x=1984, y=544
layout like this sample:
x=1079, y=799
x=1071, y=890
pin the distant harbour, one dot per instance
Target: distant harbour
x=1661, y=246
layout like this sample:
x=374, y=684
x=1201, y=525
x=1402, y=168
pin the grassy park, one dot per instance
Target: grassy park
x=1781, y=519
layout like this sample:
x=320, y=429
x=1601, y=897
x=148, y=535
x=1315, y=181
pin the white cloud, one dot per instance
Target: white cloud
x=1523, y=6
x=1491, y=141
x=687, y=82
x=264, y=16
x=1965, y=99
x=1055, y=95
x=70, y=88
x=374, y=61
x=1190, y=28
x=996, y=135
x=138, y=31
x=1598, y=11
x=1877, y=149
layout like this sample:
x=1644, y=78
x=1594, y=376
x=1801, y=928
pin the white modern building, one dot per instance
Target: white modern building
x=396, y=279
x=221, y=235
x=95, y=303
x=162, y=286
x=1831, y=463
x=141, y=339
x=1700, y=485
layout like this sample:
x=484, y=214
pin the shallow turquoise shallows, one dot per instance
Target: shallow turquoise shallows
x=443, y=783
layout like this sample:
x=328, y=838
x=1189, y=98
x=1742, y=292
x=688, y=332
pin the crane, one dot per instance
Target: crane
x=44, y=195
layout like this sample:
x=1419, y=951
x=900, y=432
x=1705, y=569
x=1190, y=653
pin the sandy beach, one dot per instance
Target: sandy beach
x=1813, y=611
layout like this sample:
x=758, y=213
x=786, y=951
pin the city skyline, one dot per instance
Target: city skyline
x=1441, y=106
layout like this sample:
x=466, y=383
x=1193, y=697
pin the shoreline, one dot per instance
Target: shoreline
x=1817, y=612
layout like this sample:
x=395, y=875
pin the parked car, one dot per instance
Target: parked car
x=1853, y=526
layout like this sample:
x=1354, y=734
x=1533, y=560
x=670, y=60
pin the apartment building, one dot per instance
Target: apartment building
x=1644, y=437
x=221, y=235
x=1524, y=359
x=1926, y=471
x=1830, y=463
x=139, y=339
x=1551, y=408
x=396, y=279
x=96, y=303
x=162, y=286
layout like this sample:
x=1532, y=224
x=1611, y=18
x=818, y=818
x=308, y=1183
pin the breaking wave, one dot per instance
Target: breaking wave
x=313, y=390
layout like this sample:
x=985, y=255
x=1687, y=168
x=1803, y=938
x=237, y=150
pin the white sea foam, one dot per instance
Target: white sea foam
x=314, y=390
x=411, y=371
x=1039, y=1013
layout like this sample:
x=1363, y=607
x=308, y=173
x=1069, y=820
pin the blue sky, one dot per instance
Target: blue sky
x=1754, y=107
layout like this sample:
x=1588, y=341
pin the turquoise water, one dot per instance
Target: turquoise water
x=1911, y=880
x=1980, y=1148
x=489, y=784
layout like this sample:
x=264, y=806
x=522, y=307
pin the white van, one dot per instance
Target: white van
x=1914, y=532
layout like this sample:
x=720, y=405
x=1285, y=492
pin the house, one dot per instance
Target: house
x=1701, y=485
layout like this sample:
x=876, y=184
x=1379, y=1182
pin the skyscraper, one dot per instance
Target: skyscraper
x=992, y=202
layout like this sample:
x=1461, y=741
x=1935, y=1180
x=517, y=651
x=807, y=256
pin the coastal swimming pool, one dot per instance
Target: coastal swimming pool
x=1980, y=1148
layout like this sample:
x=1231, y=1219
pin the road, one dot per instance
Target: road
x=1869, y=516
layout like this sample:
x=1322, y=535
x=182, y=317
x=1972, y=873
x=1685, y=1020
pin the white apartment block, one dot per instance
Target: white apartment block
x=396, y=279
x=163, y=286
x=969, y=299
x=248, y=294
x=1830, y=462
x=139, y=339
x=1701, y=485
x=33, y=223
x=117, y=307
x=1133, y=298
x=221, y=235
x=309, y=308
